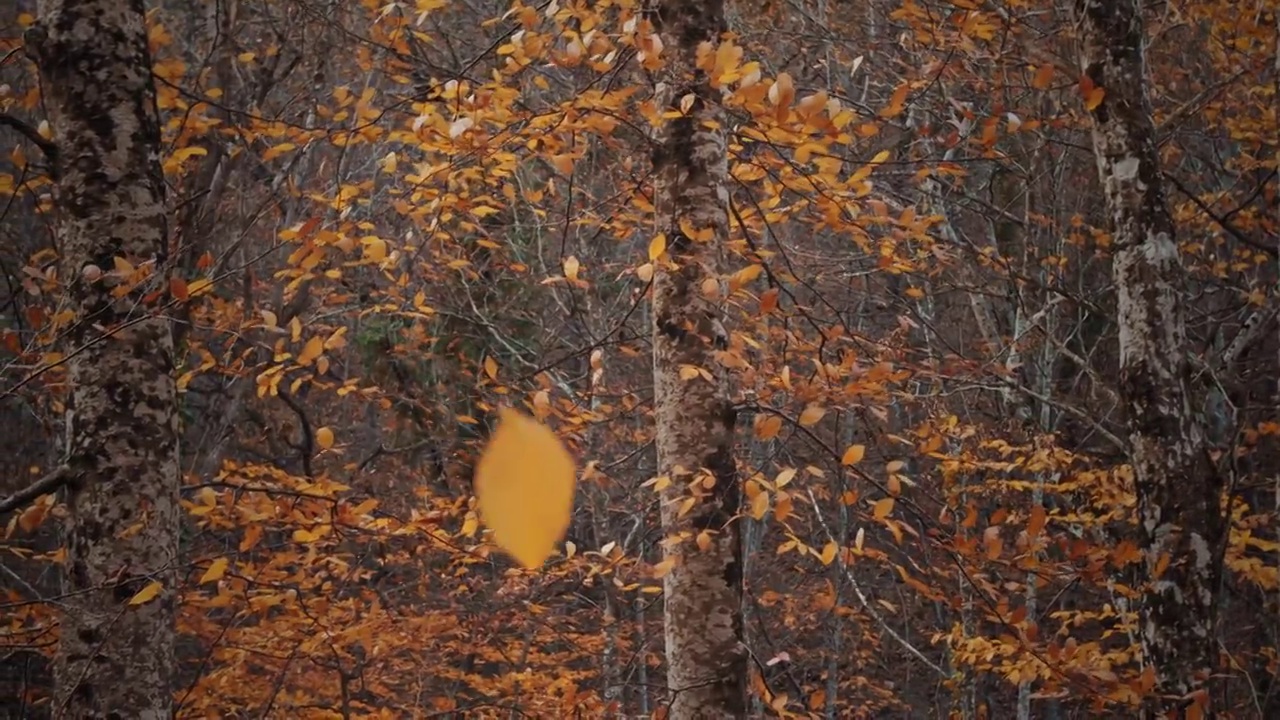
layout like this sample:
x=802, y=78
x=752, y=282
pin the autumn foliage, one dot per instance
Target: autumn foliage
x=412, y=249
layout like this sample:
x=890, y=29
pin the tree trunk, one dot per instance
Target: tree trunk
x=1177, y=487
x=115, y=659
x=706, y=659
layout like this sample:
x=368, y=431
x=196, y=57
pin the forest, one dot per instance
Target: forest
x=671, y=359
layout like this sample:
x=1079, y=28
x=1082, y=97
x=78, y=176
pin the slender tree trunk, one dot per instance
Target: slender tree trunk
x=115, y=659
x=1178, y=490
x=706, y=658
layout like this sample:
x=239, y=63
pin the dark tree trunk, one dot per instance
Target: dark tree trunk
x=1178, y=489
x=115, y=659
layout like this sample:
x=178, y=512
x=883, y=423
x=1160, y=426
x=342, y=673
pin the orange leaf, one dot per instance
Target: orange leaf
x=1044, y=76
x=882, y=508
x=312, y=350
x=812, y=414
x=178, y=288
x=324, y=438
x=853, y=454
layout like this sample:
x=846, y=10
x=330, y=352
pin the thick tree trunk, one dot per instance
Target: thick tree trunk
x=1177, y=487
x=115, y=659
x=706, y=659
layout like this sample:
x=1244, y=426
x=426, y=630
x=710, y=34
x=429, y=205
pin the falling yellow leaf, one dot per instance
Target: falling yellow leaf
x=661, y=569
x=882, y=508
x=147, y=594
x=216, y=570
x=324, y=438
x=491, y=367
x=311, y=351
x=853, y=454
x=524, y=484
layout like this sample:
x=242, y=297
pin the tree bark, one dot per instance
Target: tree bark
x=706, y=657
x=114, y=659
x=1178, y=489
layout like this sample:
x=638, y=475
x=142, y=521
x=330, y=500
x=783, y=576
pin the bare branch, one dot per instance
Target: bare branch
x=25, y=129
x=45, y=485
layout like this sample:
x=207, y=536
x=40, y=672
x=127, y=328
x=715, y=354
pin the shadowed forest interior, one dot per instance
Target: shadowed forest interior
x=640, y=359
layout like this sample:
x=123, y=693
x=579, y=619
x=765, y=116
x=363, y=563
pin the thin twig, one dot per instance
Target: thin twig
x=866, y=605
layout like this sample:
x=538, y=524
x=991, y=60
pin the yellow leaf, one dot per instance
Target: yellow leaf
x=335, y=341
x=645, y=272
x=311, y=351
x=324, y=438
x=745, y=276
x=276, y=151
x=216, y=570
x=657, y=246
x=760, y=505
x=784, y=477
x=199, y=286
x=829, y=553
x=491, y=367
x=524, y=484
x=183, y=153
x=812, y=414
x=571, y=267
x=470, y=524
x=661, y=569
x=882, y=508
x=541, y=404
x=375, y=248
x=147, y=594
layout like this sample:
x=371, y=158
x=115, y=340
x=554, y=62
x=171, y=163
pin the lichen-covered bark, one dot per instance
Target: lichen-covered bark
x=115, y=660
x=1177, y=487
x=706, y=659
